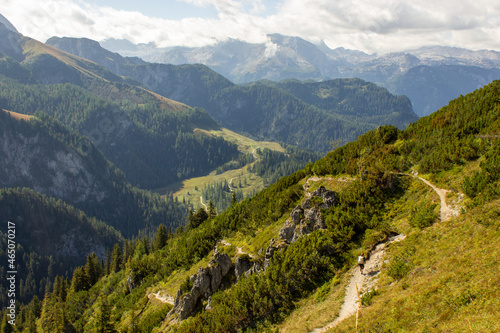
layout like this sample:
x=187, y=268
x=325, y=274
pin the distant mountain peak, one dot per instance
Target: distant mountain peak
x=7, y=24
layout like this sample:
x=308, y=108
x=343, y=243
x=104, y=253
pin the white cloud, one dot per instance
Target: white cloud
x=380, y=26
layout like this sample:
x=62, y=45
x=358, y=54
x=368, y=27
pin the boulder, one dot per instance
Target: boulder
x=315, y=218
x=287, y=231
x=223, y=260
x=329, y=199
x=215, y=279
x=328, y=196
x=302, y=229
x=202, y=283
x=306, y=203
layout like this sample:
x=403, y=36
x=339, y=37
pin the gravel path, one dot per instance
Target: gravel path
x=361, y=282
x=446, y=212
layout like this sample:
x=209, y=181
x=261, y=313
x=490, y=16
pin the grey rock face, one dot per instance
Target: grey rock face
x=287, y=231
x=242, y=265
x=327, y=196
x=206, y=282
x=296, y=214
x=315, y=219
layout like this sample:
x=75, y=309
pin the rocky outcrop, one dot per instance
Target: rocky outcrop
x=206, y=282
x=242, y=265
x=287, y=231
x=304, y=219
x=296, y=214
x=327, y=196
x=274, y=245
x=307, y=216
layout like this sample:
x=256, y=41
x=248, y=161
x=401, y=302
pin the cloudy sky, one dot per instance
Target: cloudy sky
x=368, y=25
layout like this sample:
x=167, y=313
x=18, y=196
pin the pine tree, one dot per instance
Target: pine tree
x=211, y=209
x=80, y=280
x=128, y=251
x=116, y=258
x=108, y=262
x=102, y=317
x=6, y=327
x=93, y=268
x=35, y=307
x=53, y=317
x=161, y=238
x=233, y=198
x=60, y=288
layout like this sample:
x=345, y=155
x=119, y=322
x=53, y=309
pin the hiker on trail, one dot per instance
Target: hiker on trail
x=361, y=262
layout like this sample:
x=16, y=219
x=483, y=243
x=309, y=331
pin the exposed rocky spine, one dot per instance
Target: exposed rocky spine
x=205, y=283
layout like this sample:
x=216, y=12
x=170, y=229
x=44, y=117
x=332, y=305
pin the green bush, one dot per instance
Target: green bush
x=399, y=268
x=423, y=216
x=367, y=298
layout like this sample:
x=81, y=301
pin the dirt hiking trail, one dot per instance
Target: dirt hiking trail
x=363, y=282
x=162, y=298
x=446, y=212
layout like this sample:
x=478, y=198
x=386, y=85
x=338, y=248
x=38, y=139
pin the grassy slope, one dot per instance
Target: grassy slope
x=453, y=281
x=18, y=116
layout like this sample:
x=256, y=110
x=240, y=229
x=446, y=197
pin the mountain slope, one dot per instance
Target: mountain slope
x=303, y=239
x=355, y=98
x=148, y=136
x=45, y=156
x=52, y=238
x=262, y=111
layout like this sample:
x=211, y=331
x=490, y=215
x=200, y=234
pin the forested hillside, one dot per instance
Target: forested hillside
x=298, y=242
x=45, y=156
x=52, y=239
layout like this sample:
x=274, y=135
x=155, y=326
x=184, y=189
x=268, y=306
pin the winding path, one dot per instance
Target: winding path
x=201, y=201
x=446, y=212
x=361, y=282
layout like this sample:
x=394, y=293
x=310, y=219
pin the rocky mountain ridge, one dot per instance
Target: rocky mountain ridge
x=285, y=57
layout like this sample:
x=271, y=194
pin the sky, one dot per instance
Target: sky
x=372, y=26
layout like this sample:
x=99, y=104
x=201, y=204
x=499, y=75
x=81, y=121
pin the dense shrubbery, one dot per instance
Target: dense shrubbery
x=485, y=184
x=300, y=268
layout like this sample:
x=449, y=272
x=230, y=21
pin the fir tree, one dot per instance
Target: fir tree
x=233, y=198
x=211, y=209
x=93, y=268
x=161, y=238
x=116, y=258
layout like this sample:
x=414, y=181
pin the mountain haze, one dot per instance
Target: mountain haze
x=285, y=57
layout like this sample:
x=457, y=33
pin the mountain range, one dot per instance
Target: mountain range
x=412, y=73
x=260, y=110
